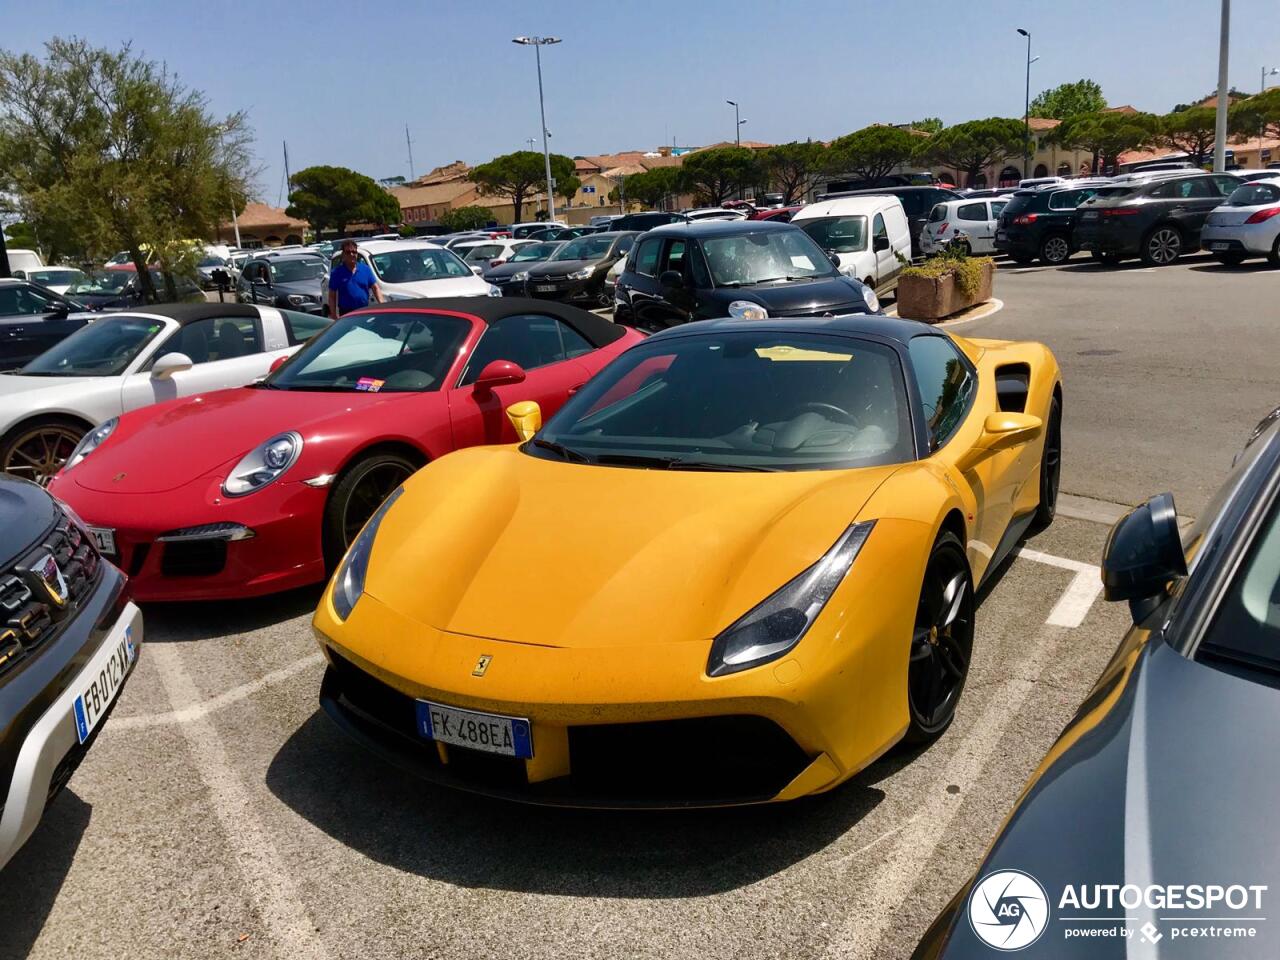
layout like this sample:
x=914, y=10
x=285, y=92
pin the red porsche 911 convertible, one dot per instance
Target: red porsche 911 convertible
x=257, y=489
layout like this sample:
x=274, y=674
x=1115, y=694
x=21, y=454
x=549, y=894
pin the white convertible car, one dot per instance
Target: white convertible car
x=122, y=361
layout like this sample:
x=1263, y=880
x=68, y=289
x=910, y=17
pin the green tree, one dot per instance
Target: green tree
x=1106, y=135
x=333, y=197
x=516, y=176
x=1193, y=131
x=1257, y=116
x=713, y=176
x=465, y=218
x=969, y=147
x=1232, y=94
x=929, y=125
x=568, y=187
x=116, y=149
x=1069, y=100
x=22, y=236
x=872, y=152
x=793, y=168
x=653, y=187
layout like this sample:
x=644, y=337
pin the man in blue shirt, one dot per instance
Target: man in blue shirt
x=351, y=283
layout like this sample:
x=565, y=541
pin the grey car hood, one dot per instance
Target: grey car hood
x=1175, y=783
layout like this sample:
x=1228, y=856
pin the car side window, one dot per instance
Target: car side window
x=1165, y=190
x=22, y=300
x=878, y=229
x=215, y=338
x=1226, y=185
x=301, y=327
x=946, y=386
x=672, y=257
x=997, y=207
x=698, y=268
x=1197, y=188
x=530, y=340
x=625, y=245
x=1064, y=200
x=972, y=211
x=647, y=257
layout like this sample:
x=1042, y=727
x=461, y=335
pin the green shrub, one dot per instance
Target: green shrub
x=967, y=270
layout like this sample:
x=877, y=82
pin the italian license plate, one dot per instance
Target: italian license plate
x=104, y=538
x=545, y=288
x=491, y=733
x=1219, y=245
x=108, y=673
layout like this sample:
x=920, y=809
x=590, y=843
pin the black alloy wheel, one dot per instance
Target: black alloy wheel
x=941, y=641
x=1162, y=246
x=1050, y=467
x=36, y=451
x=1055, y=249
x=355, y=497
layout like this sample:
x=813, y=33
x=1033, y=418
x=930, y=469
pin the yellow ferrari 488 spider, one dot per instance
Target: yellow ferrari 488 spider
x=738, y=566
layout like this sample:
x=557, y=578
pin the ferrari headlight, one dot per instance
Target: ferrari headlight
x=263, y=464
x=520, y=276
x=778, y=624
x=348, y=582
x=495, y=291
x=583, y=274
x=91, y=441
x=747, y=310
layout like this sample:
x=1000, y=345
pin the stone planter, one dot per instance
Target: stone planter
x=936, y=298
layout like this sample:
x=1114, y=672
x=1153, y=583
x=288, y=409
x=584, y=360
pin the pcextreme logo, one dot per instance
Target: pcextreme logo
x=1008, y=910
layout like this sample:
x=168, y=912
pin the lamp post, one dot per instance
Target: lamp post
x=1220, y=127
x=538, y=43
x=1262, y=88
x=737, y=123
x=1026, y=112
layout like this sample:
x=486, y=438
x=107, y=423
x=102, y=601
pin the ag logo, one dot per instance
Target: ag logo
x=1008, y=910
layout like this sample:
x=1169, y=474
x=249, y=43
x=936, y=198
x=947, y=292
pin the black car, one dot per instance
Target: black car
x=120, y=290
x=647, y=220
x=1039, y=223
x=575, y=273
x=293, y=282
x=1157, y=219
x=69, y=638
x=33, y=319
x=504, y=277
x=726, y=268
x=1164, y=782
x=917, y=202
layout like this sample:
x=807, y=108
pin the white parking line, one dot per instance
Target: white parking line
x=1085, y=586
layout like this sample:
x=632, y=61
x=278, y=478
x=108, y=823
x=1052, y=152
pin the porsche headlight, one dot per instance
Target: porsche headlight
x=583, y=274
x=263, y=464
x=348, y=582
x=91, y=441
x=495, y=291
x=747, y=310
x=520, y=276
x=776, y=625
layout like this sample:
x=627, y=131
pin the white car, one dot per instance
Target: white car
x=1247, y=225
x=122, y=361
x=521, y=230
x=969, y=223
x=715, y=213
x=407, y=270
x=869, y=235
x=57, y=279
x=482, y=254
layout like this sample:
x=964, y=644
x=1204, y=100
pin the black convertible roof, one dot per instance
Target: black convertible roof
x=875, y=325
x=186, y=313
x=596, y=329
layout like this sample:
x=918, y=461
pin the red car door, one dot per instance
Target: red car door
x=545, y=348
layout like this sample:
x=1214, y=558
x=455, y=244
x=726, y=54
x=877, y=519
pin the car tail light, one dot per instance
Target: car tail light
x=942, y=228
x=497, y=263
x=1263, y=215
x=1121, y=211
x=1026, y=219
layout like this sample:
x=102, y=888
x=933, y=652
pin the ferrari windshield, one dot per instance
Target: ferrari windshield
x=104, y=348
x=421, y=263
x=739, y=401
x=376, y=353
x=749, y=258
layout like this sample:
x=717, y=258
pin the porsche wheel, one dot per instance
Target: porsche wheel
x=941, y=641
x=1050, y=467
x=37, y=450
x=356, y=495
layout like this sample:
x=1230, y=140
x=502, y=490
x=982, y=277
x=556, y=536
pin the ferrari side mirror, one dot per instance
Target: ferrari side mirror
x=526, y=417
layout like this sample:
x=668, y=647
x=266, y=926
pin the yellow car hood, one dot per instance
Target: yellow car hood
x=494, y=543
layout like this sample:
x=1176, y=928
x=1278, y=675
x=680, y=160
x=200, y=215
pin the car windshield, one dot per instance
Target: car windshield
x=938, y=213
x=104, y=348
x=1245, y=632
x=838, y=234
x=105, y=281
x=585, y=248
x=295, y=271
x=54, y=277
x=744, y=400
x=486, y=251
x=420, y=263
x=534, y=251
x=1105, y=193
x=748, y=258
x=212, y=262
x=1249, y=195
x=389, y=352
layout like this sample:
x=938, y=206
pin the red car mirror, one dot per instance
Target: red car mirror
x=498, y=373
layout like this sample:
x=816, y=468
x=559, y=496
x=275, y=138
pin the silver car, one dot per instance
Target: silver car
x=1247, y=225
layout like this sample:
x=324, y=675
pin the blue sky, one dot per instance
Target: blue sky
x=339, y=81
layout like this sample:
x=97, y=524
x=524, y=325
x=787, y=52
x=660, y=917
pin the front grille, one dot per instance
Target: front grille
x=43, y=589
x=853, y=306
x=550, y=278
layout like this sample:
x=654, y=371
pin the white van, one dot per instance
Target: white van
x=23, y=260
x=869, y=235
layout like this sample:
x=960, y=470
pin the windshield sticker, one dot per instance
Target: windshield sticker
x=784, y=352
x=369, y=384
x=801, y=261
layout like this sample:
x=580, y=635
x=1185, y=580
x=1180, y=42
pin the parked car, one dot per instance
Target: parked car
x=411, y=269
x=57, y=279
x=23, y=260
x=969, y=224
x=483, y=254
x=754, y=547
x=340, y=425
x=1161, y=780
x=504, y=276
x=916, y=201
x=603, y=220
x=742, y=268
x=69, y=639
x=118, y=288
x=32, y=319
x=521, y=231
x=778, y=214
x=1247, y=225
x=868, y=235
x=127, y=360
x=976, y=193
x=1157, y=220
x=1041, y=222
x=648, y=220
x=715, y=213
x=291, y=282
x=208, y=269
x=1035, y=183
x=575, y=273
x=1246, y=175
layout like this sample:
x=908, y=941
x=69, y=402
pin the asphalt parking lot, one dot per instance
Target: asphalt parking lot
x=221, y=812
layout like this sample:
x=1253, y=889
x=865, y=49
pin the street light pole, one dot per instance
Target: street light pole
x=1026, y=113
x=1262, y=88
x=538, y=43
x=1220, y=128
x=737, y=123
